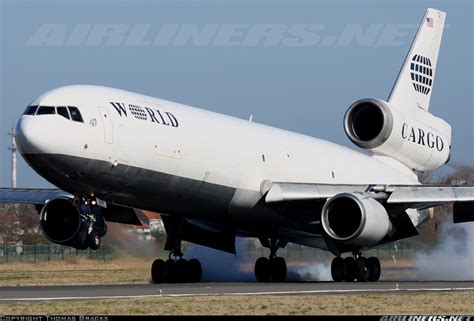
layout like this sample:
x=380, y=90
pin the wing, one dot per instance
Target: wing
x=403, y=196
x=39, y=197
x=36, y=196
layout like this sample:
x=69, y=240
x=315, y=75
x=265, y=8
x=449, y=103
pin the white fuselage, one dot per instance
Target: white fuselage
x=188, y=143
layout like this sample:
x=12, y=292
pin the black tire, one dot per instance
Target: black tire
x=169, y=271
x=81, y=240
x=195, y=270
x=362, y=272
x=262, y=269
x=373, y=264
x=278, y=269
x=349, y=269
x=93, y=241
x=181, y=269
x=337, y=269
x=157, y=271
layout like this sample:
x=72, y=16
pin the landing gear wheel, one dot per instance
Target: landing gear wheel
x=362, y=272
x=93, y=240
x=181, y=268
x=373, y=265
x=262, y=269
x=349, y=269
x=278, y=269
x=81, y=240
x=158, y=271
x=169, y=271
x=195, y=270
x=337, y=269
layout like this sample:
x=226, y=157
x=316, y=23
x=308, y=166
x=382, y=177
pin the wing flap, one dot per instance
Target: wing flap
x=121, y=214
x=431, y=194
x=283, y=192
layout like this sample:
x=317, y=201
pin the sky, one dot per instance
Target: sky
x=296, y=65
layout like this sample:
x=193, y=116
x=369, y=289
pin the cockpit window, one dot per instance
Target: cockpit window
x=68, y=112
x=75, y=114
x=31, y=110
x=63, y=112
x=46, y=110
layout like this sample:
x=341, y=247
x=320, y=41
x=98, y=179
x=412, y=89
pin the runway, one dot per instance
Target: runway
x=94, y=292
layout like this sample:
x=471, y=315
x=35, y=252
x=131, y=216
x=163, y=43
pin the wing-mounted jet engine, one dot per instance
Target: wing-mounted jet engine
x=76, y=225
x=355, y=218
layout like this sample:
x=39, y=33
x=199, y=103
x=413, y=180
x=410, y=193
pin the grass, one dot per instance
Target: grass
x=132, y=270
x=76, y=271
x=439, y=303
x=125, y=269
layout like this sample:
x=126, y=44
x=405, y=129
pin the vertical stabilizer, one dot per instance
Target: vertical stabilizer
x=414, y=84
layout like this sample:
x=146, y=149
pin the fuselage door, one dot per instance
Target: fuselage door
x=107, y=124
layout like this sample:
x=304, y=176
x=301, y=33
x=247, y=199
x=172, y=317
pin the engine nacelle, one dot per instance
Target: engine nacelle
x=356, y=219
x=419, y=140
x=64, y=223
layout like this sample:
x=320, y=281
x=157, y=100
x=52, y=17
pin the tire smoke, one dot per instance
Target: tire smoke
x=452, y=258
x=319, y=271
x=219, y=266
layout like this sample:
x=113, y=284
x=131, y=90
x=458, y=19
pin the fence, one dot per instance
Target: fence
x=245, y=248
x=51, y=252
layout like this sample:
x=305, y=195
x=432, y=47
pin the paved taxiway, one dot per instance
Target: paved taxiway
x=45, y=293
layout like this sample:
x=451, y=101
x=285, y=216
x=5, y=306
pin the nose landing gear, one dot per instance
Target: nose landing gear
x=93, y=224
x=93, y=240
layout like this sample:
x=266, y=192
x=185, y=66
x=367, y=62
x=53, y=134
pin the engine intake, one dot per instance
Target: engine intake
x=64, y=223
x=368, y=123
x=60, y=220
x=356, y=219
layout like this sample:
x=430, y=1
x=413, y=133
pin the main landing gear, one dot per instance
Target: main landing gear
x=176, y=269
x=272, y=269
x=354, y=268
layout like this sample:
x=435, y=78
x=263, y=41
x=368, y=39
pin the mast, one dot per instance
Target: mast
x=13, y=150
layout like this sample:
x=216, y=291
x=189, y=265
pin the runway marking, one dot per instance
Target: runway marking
x=106, y=297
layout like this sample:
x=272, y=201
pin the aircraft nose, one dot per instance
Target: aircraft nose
x=30, y=137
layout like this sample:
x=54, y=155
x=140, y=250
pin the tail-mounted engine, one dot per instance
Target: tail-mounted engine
x=356, y=219
x=79, y=226
x=419, y=140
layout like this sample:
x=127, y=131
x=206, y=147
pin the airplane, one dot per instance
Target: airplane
x=216, y=177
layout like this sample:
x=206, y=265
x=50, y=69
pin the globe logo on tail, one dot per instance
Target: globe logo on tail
x=421, y=74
